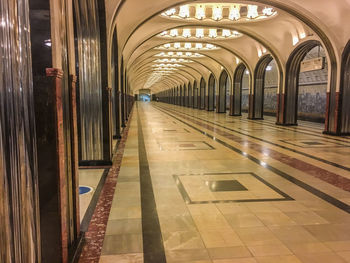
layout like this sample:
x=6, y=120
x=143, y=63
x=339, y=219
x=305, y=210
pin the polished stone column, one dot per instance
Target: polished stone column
x=19, y=208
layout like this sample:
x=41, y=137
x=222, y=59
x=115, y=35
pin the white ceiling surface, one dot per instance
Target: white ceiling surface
x=139, y=24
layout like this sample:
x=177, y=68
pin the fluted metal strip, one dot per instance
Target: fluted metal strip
x=88, y=34
x=19, y=228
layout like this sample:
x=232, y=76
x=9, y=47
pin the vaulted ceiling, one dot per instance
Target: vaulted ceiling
x=166, y=43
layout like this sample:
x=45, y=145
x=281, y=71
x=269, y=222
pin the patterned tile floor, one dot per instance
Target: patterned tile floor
x=286, y=196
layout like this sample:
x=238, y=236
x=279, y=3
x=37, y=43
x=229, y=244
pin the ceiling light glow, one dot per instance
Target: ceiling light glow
x=217, y=12
x=200, y=12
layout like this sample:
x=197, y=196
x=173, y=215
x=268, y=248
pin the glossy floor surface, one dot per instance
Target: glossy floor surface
x=196, y=186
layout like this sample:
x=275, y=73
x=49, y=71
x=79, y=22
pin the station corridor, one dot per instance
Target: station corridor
x=174, y=131
x=196, y=186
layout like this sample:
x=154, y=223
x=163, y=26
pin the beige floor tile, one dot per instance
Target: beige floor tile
x=275, y=219
x=122, y=258
x=344, y=255
x=236, y=260
x=239, y=220
x=308, y=248
x=339, y=245
x=255, y=236
x=293, y=234
x=278, y=259
x=187, y=255
x=229, y=252
x=269, y=250
x=321, y=258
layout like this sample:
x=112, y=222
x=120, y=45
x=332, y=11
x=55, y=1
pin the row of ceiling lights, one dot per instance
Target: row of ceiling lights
x=188, y=46
x=201, y=33
x=233, y=12
x=173, y=60
x=179, y=54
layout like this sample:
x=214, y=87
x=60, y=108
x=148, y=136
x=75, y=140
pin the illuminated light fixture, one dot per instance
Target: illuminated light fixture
x=164, y=33
x=170, y=12
x=186, y=32
x=238, y=61
x=268, y=68
x=167, y=45
x=226, y=33
x=184, y=11
x=295, y=40
x=188, y=45
x=188, y=54
x=247, y=72
x=259, y=53
x=200, y=12
x=268, y=11
x=173, y=60
x=252, y=11
x=213, y=33
x=302, y=35
x=199, y=32
x=199, y=45
x=177, y=45
x=217, y=13
x=264, y=50
x=170, y=53
x=234, y=12
x=210, y=46
x=174, y=33
x=179, y=53
x=47, y=42
x=235, y=33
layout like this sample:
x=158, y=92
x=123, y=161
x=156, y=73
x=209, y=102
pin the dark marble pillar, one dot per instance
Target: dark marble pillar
x=51, y=166
x=74, y=149
x=106, y=94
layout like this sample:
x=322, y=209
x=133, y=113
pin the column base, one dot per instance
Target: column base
x=95, y=163
x=253, y=118
x=336, y=133
x=286, y=124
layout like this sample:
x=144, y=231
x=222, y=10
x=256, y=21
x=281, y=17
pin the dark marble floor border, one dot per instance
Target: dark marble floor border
x=153, y=247
x=326, y=197
x=295, y=129
x=92, y=206
x=188, y=200
x=326, y=144
x=269, y=142
x=96, y=230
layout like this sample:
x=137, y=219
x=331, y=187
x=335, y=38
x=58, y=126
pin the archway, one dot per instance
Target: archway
x=202, y=94
x=195, y=95
x=306, y=88
x=259, y=86
x=245, y=84
x=236, y=98
x=224, y=85
x=115, y=88
x=345, y=91
x=211, y=92
x=189, y=96
x=181, y=95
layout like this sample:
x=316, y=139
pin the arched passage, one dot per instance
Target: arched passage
x=345, y=91
x=306, y=92
x=115, y=88
x=202, y=94
x=211, y=93
x=189, y=96
x=224, y=85
x=259, y=85
x=236, y=97
x=195, y=95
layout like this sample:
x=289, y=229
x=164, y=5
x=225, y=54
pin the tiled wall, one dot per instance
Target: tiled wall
x=312, y=102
